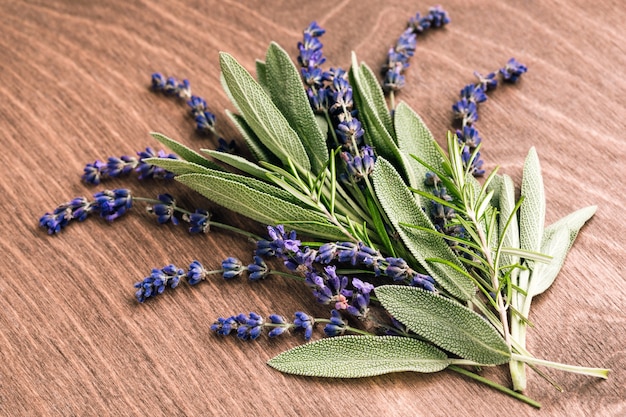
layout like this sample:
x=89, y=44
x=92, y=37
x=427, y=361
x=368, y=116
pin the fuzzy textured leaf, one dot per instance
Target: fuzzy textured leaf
x=180, y=167
x=260, y=206
x=533, y=208
x=558, y=239
x=260, y=151
x=506, y=206
x=414, y=138
x=445, y=323
x=261, y=73
x=360, y=356
x=184, y=152
x=402, y=208
x=287, y=92
x=261, y=114
x=375, y=92
x=239, y=163
x=375, y=130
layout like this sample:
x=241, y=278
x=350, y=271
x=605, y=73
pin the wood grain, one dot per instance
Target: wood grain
x=74, y=78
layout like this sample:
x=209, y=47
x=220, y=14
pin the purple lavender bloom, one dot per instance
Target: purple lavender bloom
x=359, y=305
x=302, y=258
x=205, y=122
x=350, y=132
x=197, y=105
x=123, y=165
x=158, y=82
x=93, y=173
x=487, y=82
x=224, y=326
x=155, y=283
x=397, y=269
x=438, y=17
x=258, y=270
x=113, y=203
x=305, y=322
x=79, y=208
x=473, y=93
x=282, y=327
x=361, y=165
x=394, y=80
x=252, y=327
x=199, y=221
x=336, y=326
x=314, y=30
x=232, y=268
x=425, y=282
x=196, y=273
x=466, y=111
x=147, y=171
x=173, y=87
x=280, y=243
x=165, y=210
x=419, y=23
x=512, y=71
x=469, y=136
x=327, y=252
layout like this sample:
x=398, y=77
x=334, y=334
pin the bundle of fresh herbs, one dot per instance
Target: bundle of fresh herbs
x=424, y=266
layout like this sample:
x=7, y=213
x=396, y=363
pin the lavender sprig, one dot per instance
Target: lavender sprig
x=116, y=167
x=252, y=325
x=399, y=55
x=466, y=111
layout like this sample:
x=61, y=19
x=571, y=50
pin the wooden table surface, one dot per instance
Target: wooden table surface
x=74, y=79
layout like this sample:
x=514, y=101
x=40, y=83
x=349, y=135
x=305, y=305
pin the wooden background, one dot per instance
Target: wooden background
x=74, y=81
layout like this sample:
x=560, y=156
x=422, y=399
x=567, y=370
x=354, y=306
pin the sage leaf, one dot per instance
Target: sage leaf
x=180, y=167
x=506, y=205
x=258, y=150
x=287, y=92
x=239, y=163
x=414, y=139
x=402, y=208
x=263, y=207
x=377, y=96
x=184, y=152
x=533, y=208
x=376, y=132
x=360, y=356
x=557, y=241
x=262, y=115
x=261, y=74
x=445, y=323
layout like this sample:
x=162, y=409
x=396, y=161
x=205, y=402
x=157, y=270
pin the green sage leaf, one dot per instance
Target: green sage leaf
x=287, y=92
x=262, y=115
x=445, y=323
x=506, y=205
x=557, y=241
x=376, y=132
x=180, y=167
x=360, y=356
x=258, y=150
x=184, y=152
x=261, y=74
x=415, y=139
x=239, y=163
x=377, y=96
x=533, y=208
x=260, y=206
x=402, y=208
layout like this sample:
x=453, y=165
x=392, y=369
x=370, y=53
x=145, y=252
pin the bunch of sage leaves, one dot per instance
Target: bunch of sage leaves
x=479, y=317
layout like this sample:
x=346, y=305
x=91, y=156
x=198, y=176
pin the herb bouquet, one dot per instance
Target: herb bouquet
x=424, y=267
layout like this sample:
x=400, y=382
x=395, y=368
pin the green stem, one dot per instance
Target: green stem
x=583, y=370
x=496, y=386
